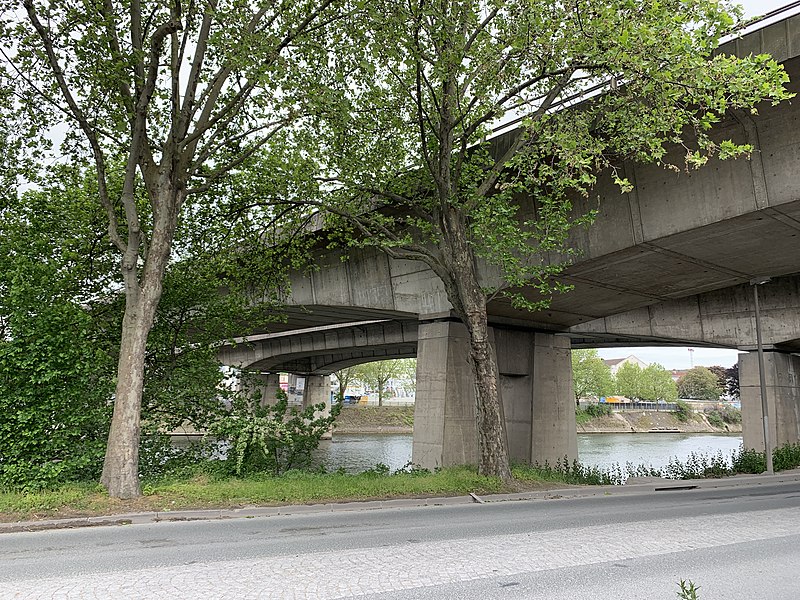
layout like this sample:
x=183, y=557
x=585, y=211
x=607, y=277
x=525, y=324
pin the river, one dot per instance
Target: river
x=357, y=452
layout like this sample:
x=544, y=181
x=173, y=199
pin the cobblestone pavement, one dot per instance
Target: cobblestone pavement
x=354, y=572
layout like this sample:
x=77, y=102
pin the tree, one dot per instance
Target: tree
x=651, y=384
x=377, y=375
x=732, y=387
x=56, y=361
x=699, y=383
x=344, y=377
x=402, y=123
x=591, y=376
x=165, y=100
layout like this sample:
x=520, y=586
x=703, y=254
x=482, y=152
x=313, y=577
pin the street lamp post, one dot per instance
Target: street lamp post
x=762, y=379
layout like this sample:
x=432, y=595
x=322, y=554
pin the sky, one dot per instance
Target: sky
x=681, y=358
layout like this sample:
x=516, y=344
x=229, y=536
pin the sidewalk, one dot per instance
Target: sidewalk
x=639, y=485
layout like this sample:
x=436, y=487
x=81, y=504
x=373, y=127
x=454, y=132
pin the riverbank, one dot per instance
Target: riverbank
x=375, y=419
x=642, y=421
x=400, y=419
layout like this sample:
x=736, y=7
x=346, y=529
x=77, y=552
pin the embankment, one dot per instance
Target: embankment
x=641, y=421
x=375, y=419
x=400, y=419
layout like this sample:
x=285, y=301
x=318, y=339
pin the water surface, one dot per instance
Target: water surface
x=357, y=452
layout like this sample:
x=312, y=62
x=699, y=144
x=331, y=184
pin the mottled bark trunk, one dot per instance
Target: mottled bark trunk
x=469, y=302
x=121, y=467
x=142, y=294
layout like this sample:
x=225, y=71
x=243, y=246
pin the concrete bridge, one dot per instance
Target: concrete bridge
x=669, y=263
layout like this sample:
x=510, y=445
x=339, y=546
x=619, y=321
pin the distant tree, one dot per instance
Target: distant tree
x=657, y=385
x=732, y=383
x=629, y=381
x=591, y=376
x=651, y=384
x=721, y=373
x=376, y=375
x=343, y=378
x=699, y=383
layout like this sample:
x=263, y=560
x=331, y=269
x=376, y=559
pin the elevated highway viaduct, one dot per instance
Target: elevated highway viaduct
x=669, y=263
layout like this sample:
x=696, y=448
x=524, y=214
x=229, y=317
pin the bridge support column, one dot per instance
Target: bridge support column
x=318, y=391
x=445, y=430
x=267, y=384
x=782, y=375
x=538, y=400
x=535, y=377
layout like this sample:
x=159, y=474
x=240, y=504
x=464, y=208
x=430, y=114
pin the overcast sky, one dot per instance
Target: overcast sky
x=682, y=358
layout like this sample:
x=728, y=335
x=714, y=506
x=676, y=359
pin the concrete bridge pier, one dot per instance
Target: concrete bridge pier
x=267, y=384
x=535, y=376
x=537, y=393
x=782, y=375
x=317, y=390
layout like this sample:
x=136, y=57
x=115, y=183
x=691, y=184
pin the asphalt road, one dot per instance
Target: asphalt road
x=741, y=542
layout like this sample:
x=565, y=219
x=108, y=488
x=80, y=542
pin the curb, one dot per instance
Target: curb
x=635, y=486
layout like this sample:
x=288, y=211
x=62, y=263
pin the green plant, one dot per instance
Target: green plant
x=715, y=418
x=786, y=457
x=688, y=590
x=273, y=438
x=749, y=461
x=584, y=414
x=683, y=412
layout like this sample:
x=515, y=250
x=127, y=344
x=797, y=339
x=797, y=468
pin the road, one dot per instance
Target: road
x=741, y=542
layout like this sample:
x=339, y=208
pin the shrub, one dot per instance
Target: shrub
x=786, y=457
x=731, y=414
x=683, y=412
x=272, y=438
x=715, y=418
x=585, y=414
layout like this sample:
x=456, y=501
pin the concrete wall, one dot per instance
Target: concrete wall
x=782, y=374
x=444, y=412
x=535, y=377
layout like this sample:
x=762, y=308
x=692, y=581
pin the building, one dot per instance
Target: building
x=615, y=363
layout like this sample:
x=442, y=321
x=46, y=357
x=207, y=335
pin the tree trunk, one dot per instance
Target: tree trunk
x=121, y=466
x=469, y=302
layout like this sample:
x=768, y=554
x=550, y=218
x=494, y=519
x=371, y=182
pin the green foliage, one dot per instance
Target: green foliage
x=651, y=384
x=56, y=360
x=584, y=414
x=718, y=417
x=786, y=457
x=376, y=375
x=715, y=418
x=591, y=377
x=683, y=412
x=699, y=383
x=688, y=590
x=273, y=438
x=698, y=466
x=747, y=460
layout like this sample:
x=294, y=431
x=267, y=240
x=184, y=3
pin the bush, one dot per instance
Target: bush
x=731, y=414
x=584, y=414
x=273, y=438
x=786, y=457
x=715, y=418
x=683, y=412
x=719, y=417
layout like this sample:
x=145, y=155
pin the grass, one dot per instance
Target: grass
x=209, y=491
x=205, y=487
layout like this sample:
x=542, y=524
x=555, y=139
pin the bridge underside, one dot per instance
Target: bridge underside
x=667, y=264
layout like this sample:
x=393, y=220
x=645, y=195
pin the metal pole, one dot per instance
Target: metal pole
x=762, y=380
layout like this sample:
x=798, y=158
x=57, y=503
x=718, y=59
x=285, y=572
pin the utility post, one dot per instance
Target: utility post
x=755, y=282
